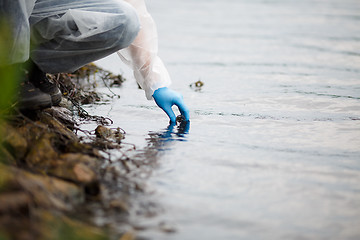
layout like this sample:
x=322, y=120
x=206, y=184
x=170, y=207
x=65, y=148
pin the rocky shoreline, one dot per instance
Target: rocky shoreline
x=50, y=177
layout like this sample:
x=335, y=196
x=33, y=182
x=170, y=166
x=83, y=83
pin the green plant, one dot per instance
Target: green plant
x=9, y=76
x=3, y=236
x=9, y=73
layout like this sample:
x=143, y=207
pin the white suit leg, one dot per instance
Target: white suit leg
x=68, y=34
x=18, y=12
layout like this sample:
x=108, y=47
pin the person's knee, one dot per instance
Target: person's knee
x=129, y=25
x=93, y=33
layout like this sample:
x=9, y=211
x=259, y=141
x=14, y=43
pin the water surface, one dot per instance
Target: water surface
x=273, y=148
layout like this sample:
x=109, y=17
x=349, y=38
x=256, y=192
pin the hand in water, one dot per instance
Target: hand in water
x=165, y=98
x=172, y=134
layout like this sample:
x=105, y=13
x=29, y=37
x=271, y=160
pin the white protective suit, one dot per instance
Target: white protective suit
x=149, y=70
x=68, y=34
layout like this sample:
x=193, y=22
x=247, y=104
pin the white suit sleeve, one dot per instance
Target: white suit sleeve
x=141, y=55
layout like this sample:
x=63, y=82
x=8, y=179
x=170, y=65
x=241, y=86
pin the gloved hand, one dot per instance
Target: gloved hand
x=165, y=98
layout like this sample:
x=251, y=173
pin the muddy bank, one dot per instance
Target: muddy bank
x=52, y=181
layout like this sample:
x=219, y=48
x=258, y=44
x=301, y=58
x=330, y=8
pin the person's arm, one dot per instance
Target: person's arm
x=149, y=70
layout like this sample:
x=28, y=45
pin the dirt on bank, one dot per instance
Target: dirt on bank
x=50, y=177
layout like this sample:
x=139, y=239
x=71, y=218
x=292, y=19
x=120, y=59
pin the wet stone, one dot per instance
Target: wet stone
x=52, y=192
x=14, y=143
x=6, y=156
x=52, y=170
x=42, y=151
x=24, y=188
x=76, y=147
x=76, y=167
x=56, y=125
x=180, y=119
x=63, y=115
x=109, y=134
x=14, y=201
x=119, y=204
x=197, y=86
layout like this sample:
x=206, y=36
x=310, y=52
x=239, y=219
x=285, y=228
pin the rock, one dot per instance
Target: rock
x=104, y=132
x=52, y=192
x=109, y=134
x=76, y=147
x=57, y=173
x=166, y=227
x=128, y=236
x=5, y=156
x=7, y=179
x=197, y=85
x=14, y=201
x=14, y=142
x=43, y=191
x=42, y=152
x=55, y=226
x=119, y=204
x=65, y=103
x=31, y=132
x=56, y=126
x=76, y=167
x=63, y=115
x=180, y=119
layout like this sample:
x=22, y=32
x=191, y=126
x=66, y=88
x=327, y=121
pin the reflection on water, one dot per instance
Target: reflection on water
x=174, y=132
x=163, y=140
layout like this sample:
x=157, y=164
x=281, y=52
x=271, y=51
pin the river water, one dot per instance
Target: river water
x=273, y=147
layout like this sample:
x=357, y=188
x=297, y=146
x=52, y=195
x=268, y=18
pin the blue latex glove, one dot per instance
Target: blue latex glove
x=165, y=98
